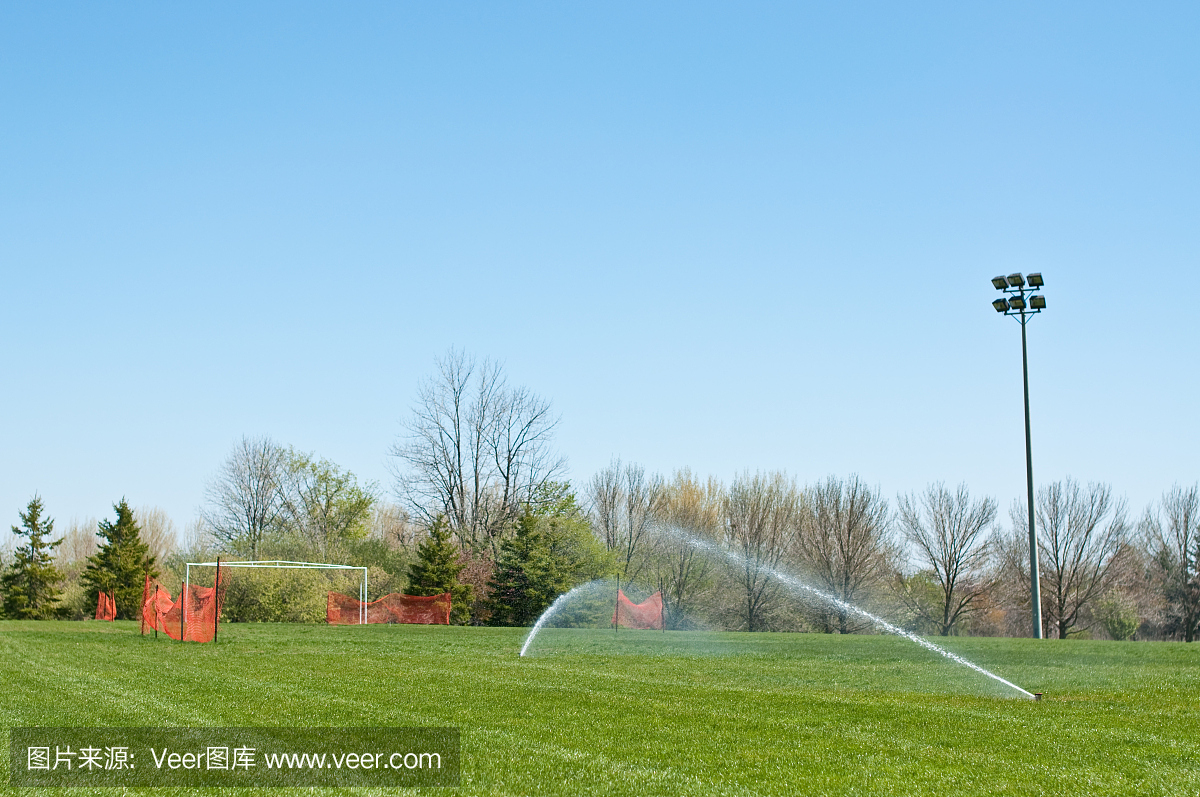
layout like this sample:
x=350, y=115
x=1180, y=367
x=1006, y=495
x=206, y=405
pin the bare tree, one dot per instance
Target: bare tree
x=391, y=524
x=845, y=544
x=1172, y=532
x=626, y=504
x=518, y=446
x=244, y=499
x=197, y=542
x=605, y=494
x=1081, y=545
x=157, y=531
x=695, y=508
x=476, y=451
x=762, y=514
x=79, y=541
x=949, y=531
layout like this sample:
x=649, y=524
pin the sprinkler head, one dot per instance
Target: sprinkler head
x=1037, y=695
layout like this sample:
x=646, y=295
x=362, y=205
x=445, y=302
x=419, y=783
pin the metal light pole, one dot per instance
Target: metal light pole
x=1022, y=308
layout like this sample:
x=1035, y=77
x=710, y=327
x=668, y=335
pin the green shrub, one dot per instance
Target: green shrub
x=1118, y=614
x=282, y=596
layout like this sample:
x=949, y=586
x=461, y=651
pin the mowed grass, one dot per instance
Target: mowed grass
x=645, y=713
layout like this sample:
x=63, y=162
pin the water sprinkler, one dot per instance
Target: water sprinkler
x=1037, y=695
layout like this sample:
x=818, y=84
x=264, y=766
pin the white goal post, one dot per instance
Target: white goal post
x=276, y=563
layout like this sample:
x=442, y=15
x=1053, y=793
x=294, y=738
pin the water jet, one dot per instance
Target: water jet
x=556, y=607
x=798, y=588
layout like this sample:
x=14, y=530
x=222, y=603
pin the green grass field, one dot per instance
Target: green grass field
x=645, y=713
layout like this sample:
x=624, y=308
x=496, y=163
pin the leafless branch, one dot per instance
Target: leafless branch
x=1172, y=533
x=476, y=451
x=845, y=543
x=1082, y=536
x=626, y=504
x=243, y=500
x=762, y=516
x=949, y=532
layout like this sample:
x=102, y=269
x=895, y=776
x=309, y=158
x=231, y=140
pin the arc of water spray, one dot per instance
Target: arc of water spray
x=796, y=585
x=559, y=602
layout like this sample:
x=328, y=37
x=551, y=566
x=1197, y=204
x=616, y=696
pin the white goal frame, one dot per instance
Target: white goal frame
x=281, y=563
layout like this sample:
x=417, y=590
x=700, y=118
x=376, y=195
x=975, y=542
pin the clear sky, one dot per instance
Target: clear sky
x=728, y=237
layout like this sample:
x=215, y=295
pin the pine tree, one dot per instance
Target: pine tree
x=121, y=564
x=30, y=583
x=523, y=584
x=552, y=551
x=436, y=572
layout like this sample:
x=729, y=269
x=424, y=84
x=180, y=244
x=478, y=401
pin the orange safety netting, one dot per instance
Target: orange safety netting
x=106, y=607
x=197, y=624
x=646, y=615
x=392, y=608
x=156, y=602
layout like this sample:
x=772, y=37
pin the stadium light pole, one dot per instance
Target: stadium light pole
x=1016, y=304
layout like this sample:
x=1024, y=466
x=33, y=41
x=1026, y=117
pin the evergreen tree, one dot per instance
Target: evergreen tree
x=552, y=551
x=523, y=584
x=436, y=572
x=30, y=583
x=121, y=564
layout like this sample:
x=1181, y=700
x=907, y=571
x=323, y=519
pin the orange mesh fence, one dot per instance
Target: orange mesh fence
x=156, y=602
x=645, y=615
x=199, y=622
x=393, y=608
x=170, y=622
x=106, y=607
x=343, y=610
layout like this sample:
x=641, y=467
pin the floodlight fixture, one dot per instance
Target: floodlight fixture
x=1015, y=280
x=1016, y=302
x=1037, y=302
x=1000, y=283
x=1001, y=305
x=1035, y=280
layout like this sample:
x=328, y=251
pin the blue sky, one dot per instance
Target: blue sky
x=726, y=237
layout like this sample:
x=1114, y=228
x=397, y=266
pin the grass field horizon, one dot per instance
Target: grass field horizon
x=646, y=713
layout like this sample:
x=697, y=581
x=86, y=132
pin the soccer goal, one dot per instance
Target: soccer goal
x=279, y=563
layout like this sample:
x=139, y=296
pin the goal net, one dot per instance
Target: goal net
x=194, y=617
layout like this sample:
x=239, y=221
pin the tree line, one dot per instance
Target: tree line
x=479, y=456
x=482, y=509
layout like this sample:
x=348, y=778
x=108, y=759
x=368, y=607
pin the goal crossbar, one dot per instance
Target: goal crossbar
x=283, y=563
